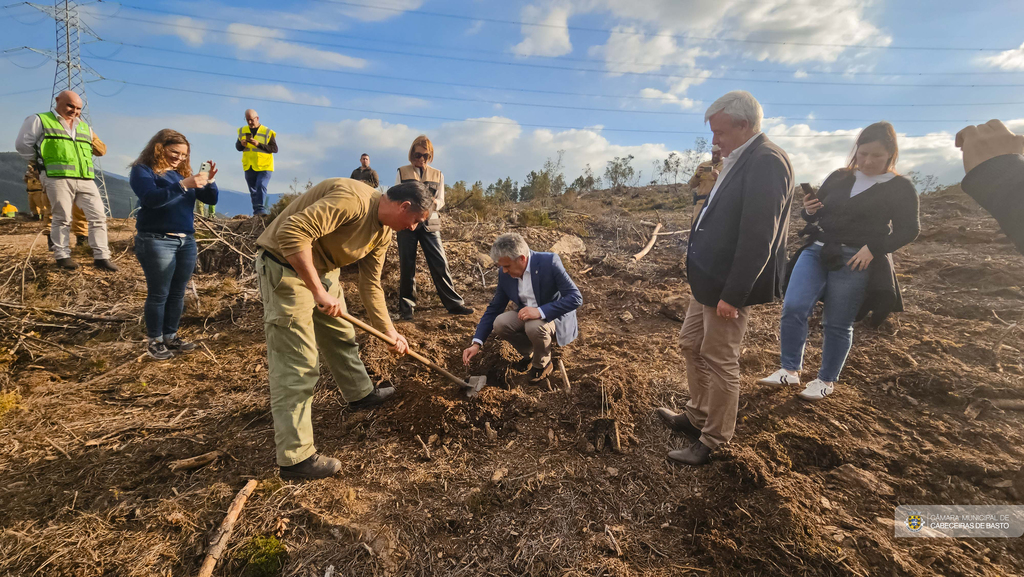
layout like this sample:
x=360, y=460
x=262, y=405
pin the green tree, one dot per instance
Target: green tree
x=619, y=172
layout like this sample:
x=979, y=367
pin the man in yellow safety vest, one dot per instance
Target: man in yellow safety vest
x=63, y=144
x=258, y=145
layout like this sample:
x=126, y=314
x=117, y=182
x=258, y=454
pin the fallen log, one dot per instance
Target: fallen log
x=650, y=244
x=221, y=537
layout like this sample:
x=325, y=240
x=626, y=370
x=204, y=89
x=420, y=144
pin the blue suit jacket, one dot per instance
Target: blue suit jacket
x=556, y=294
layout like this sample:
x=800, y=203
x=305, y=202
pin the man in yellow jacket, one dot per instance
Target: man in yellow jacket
x=258, y=145
x=8, y=211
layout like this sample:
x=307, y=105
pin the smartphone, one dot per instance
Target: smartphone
x=205, y=167
x=808, y=190
x=707, y=169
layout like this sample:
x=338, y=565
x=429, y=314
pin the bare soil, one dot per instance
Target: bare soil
x=522, y=480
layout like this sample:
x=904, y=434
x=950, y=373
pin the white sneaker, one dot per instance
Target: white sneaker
x=816, y=390
x=780, y=377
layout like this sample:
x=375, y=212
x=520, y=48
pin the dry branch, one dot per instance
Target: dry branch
x=83, y=316
x=221, y=537
x=650, y=244
x=196, y=462
x=565, y=375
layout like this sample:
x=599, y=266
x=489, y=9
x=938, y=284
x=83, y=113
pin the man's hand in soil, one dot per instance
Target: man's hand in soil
x=529, y=313
x=401, y=345
x=986, y=141
x=468, y=354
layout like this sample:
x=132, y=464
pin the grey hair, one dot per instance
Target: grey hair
x=739, y=105
x=510, y=245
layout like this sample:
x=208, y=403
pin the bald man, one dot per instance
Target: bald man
x=258, y=145
x=62, y=145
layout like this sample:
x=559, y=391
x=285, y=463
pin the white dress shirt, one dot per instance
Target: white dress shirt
x=439, y=199
x=31, y=134
x=727, y=163
x=526, y=294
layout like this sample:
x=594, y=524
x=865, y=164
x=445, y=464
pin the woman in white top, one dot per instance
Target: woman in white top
x=861, y=214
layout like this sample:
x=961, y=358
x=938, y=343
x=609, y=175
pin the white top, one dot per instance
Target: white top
x=865, y=182
x=31, y=134
x=439, y=199
x=727, y=163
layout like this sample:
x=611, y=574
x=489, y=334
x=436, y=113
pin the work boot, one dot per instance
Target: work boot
x=177, y=346
x=315, y=467
x=696, y=454
x=377, y=396
x=523, y=365
x=538, y=375
x=461, y=310
x=105, y=264
x=678, y=422
x=405, y=315
x=157, y=351
x=81, y=240
x=67, y=263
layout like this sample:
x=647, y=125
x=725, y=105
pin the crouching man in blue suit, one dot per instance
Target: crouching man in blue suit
x=545, y=299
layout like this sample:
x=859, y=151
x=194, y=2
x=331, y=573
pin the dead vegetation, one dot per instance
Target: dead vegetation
x=96, y=441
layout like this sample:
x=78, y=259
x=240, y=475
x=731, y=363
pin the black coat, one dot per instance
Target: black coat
x=998, y=186
x=883, y=217
x=737, y=254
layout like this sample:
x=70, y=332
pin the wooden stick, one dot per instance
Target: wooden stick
x=221, y=537
x=196, y=462
x=1008, y=404
x=83, y=316
x=565, y=375
x=409, y=352
x=25, y=266
x=650, y=244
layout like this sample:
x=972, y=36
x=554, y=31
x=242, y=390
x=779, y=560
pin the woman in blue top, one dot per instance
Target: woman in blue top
x=165, y=244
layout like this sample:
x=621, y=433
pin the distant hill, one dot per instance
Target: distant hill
x=122, y=199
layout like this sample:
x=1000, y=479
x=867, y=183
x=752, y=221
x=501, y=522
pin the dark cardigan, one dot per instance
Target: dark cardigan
x=998, y=186
x=884, y=217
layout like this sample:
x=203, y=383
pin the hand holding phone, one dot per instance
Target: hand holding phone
x=812, y=203
x=205, y=168
x=808, y=190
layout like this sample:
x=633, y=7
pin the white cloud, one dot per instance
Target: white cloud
x=475, y=28
x=269, y=44
x=549, y=39
x=279, y=92
x=800, y=74
x=369, y=14
x=1008, y=60
x=668, y=98
x=630, y=50
x=816, y=153
x=189, y=30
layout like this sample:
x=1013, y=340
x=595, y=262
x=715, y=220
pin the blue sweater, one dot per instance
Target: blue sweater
x=163, y=205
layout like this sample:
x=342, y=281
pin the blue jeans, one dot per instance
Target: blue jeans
x=257, y=181
x=842, y=290
x=168, y=262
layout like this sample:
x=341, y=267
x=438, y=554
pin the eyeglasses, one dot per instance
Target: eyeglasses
x=419, y=155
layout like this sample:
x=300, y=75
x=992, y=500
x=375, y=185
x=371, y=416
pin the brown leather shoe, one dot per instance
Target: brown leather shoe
x=678, y=422
x=67, y=263
x=105, y=264
x=696, y=454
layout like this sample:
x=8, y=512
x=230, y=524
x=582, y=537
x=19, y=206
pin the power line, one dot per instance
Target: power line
x=566, y=58
x=568, y=68
x=482, y=101
x=540, y=91
x=454, y=119
x=660, y=35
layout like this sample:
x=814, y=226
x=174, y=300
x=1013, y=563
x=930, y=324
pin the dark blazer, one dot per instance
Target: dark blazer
x=998, y=186
x=557, y=296
x=738, y=252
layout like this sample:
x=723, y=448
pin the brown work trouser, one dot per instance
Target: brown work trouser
x=711, y=346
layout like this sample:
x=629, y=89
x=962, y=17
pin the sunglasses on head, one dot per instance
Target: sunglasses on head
x=419, y=155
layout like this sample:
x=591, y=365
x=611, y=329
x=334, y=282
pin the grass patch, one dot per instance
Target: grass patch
x=263, y=555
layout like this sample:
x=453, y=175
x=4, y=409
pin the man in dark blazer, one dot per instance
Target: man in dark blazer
x=736, y=258
x=545, y=301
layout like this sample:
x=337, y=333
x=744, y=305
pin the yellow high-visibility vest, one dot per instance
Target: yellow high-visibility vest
x=252, y=157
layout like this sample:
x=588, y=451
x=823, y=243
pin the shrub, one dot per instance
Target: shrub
x=263, y=555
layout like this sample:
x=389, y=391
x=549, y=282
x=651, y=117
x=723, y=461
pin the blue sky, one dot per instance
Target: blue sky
x=501, y=86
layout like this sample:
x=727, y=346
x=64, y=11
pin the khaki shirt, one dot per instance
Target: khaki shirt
x=338, y=220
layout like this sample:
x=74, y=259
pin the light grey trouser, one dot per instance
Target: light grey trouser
x=64, y=193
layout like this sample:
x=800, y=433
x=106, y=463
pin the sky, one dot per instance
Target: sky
x=500, y=87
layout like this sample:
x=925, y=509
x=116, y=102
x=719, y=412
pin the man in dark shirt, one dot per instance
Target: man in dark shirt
x=365, y=173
